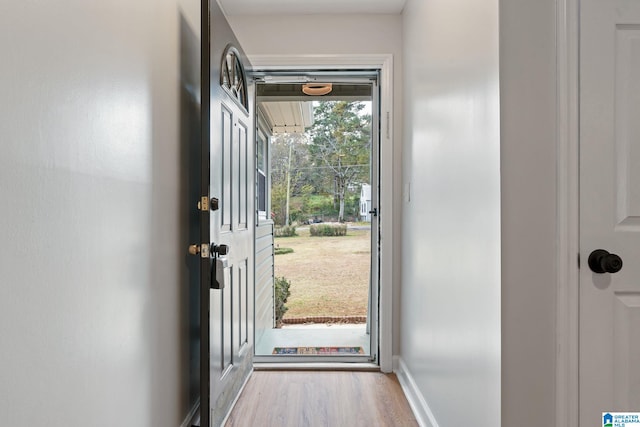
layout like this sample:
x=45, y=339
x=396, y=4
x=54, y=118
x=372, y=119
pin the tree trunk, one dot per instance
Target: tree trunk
x=286, y=217
x=341, y=194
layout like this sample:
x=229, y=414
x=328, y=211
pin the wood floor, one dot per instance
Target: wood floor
x=321, y=398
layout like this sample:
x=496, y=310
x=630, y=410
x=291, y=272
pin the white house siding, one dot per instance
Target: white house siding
x=264, y=304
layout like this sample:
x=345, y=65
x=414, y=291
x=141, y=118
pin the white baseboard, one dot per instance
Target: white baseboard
x=419, y=406
x=191, y=416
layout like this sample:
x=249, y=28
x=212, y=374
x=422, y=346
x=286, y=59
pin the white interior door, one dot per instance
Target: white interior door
x=609, y=207
x=228, y=220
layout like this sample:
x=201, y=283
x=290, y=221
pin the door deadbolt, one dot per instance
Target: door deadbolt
x=205, y=204
x=202, y=249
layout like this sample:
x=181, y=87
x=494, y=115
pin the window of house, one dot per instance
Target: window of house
x=261, y=167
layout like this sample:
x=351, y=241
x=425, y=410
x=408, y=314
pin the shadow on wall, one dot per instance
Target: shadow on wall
x=174, y=311
x=190, y=135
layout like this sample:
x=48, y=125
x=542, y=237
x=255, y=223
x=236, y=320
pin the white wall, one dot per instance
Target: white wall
x=335, y=35
x=93, y=306
x=450, y=340
x=528, y=148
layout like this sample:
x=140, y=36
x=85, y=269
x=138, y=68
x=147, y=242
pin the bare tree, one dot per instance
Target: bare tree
x=341, y=144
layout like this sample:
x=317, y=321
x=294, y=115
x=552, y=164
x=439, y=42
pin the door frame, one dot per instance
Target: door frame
x=568, y=212
x=385, y=64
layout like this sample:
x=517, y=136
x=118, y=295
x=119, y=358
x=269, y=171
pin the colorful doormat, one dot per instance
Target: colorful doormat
x=322, y=351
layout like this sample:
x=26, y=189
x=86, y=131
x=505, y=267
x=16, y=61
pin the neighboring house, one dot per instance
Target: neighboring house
x=365, y=202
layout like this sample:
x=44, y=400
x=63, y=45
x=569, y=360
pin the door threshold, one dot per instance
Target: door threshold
x=315, y=366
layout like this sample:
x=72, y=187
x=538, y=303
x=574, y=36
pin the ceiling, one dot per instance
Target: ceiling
x=311, y=7
x=287, y=117
x=286, y=109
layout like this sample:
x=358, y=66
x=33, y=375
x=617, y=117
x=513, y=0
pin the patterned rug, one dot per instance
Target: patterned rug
x=318, y=350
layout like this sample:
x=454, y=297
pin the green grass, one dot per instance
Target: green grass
x=329, y=275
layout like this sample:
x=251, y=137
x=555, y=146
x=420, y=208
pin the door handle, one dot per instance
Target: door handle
x=374, y=211
x=601, y=261
x=220, y=249
x=218, y=265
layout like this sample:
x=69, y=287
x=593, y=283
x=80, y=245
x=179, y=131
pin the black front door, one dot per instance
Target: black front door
x=227, y=220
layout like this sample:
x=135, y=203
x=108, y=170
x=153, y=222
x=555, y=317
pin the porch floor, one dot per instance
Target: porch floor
x=314, y=335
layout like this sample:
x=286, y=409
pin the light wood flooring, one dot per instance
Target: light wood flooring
x=321, y=398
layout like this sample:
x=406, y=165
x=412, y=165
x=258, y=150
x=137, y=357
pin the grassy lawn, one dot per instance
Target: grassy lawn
x=329, y=275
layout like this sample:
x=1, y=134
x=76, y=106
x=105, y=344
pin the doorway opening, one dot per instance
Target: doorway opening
x=317, y=230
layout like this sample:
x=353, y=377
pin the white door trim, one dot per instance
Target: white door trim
x=568, y=202
x=385, y=64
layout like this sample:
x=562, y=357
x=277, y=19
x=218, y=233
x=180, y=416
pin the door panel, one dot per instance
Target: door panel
x=226, y=170
x=609, y=207
x=627, y=126
x=242, y=139
x=227, y=110
x=242, y=322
